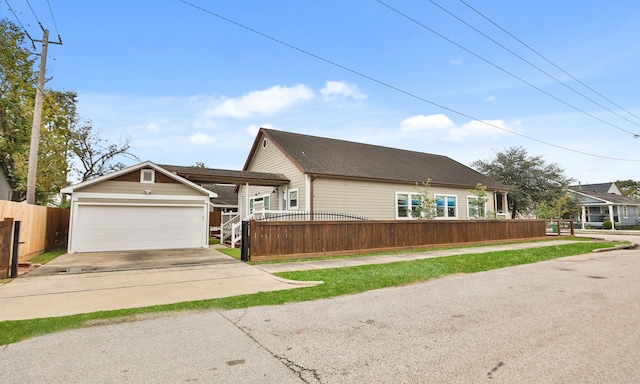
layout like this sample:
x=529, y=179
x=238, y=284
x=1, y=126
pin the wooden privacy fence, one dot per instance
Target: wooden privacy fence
x=215, y=218
x=287, y=240
x=42, y=228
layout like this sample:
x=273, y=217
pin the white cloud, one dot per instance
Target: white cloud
x=457, y=61
x=201, y=138
x=475, y=129
x=490, y=99
x=337, y=90
x=449, y=131
x=426, y=123
x=262, y=103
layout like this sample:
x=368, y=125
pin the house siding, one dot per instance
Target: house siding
x=5, y=188
x=128, y=187
x=377, y=200
x=271, y=159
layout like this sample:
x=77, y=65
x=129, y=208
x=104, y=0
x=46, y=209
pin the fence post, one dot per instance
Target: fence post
x=246, y=242
x=16, y=243
x=5, y=247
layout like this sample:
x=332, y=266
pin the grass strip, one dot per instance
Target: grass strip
x=337, y=282
x=47, y=257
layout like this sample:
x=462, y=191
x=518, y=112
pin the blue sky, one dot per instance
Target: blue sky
x=187, y=85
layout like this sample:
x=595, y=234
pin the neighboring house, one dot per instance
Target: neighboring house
x=360, y=179
x=6, y=191
x=140, y=207
x=601, y=202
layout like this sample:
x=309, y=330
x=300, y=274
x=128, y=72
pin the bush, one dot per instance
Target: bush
x=607, y=224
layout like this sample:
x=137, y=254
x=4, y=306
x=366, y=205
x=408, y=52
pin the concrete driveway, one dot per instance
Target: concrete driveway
x=132, y=260
x=90, y=282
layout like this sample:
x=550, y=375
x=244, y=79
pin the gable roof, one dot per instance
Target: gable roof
x=606, y=198
x=598, y=188
x=145, y=164
x=345, y=159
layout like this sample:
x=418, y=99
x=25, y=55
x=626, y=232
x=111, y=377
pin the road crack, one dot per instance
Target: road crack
x=307, y=375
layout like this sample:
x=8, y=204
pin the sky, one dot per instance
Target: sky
x=193, y=81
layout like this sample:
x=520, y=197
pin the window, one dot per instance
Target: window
x=408, y=205
x=147, y=176
x=259, y=203
x=625, y=212
x=293, y=199
x=446, y=206
x=475, y=211
x=264, y=143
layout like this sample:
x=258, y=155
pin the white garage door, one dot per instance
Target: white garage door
x=119, y=228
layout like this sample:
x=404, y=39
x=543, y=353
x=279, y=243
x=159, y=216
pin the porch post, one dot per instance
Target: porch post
x=505, y=206
x=584, y=216
x=613, y=223
x=246, y=199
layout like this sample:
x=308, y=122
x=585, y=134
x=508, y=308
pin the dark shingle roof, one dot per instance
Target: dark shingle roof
x=210, y=175
x=346, y=159
x=612, y=198
x=599, y=188
x=227, y=194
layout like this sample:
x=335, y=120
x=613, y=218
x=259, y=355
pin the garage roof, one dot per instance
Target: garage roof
x=146, y=164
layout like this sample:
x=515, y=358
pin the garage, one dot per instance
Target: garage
x=138, y=208
x=120, y=228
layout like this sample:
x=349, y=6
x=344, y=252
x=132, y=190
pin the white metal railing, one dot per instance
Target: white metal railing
x=227, y=225
x=236, y=230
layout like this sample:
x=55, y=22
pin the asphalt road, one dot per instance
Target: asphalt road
x=571, y=320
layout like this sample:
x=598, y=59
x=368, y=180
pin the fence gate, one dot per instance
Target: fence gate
x=6, y=240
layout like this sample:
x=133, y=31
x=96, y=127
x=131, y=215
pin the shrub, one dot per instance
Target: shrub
x=607, y=224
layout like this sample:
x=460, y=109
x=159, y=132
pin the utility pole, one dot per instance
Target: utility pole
x=37, y=119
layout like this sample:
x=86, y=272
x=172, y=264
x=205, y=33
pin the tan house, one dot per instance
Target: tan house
x=359, y=179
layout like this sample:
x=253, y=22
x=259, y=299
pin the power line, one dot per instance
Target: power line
x=380, y=82
x=20, y=23
x=549, y=61
x=502, y=69
x=34, y=13
x=534, y=66
x=55, y=25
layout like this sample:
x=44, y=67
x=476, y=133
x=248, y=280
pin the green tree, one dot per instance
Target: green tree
x=629, y=188
x=534, y=180
x=17, y=94
x=426, y=209
x=565, y=207
x=478, y=205
x=58, y=117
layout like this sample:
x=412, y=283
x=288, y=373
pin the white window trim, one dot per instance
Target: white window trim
x=446, y=207
x=625, y=212
x=469, y=207
x=289, y=207
x=153, y=176
x=252, y=201
x=409, y=195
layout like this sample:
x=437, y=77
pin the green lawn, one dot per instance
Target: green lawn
x=337, y=281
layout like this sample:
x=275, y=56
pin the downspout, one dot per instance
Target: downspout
x=246, y=199
x=310, y=180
